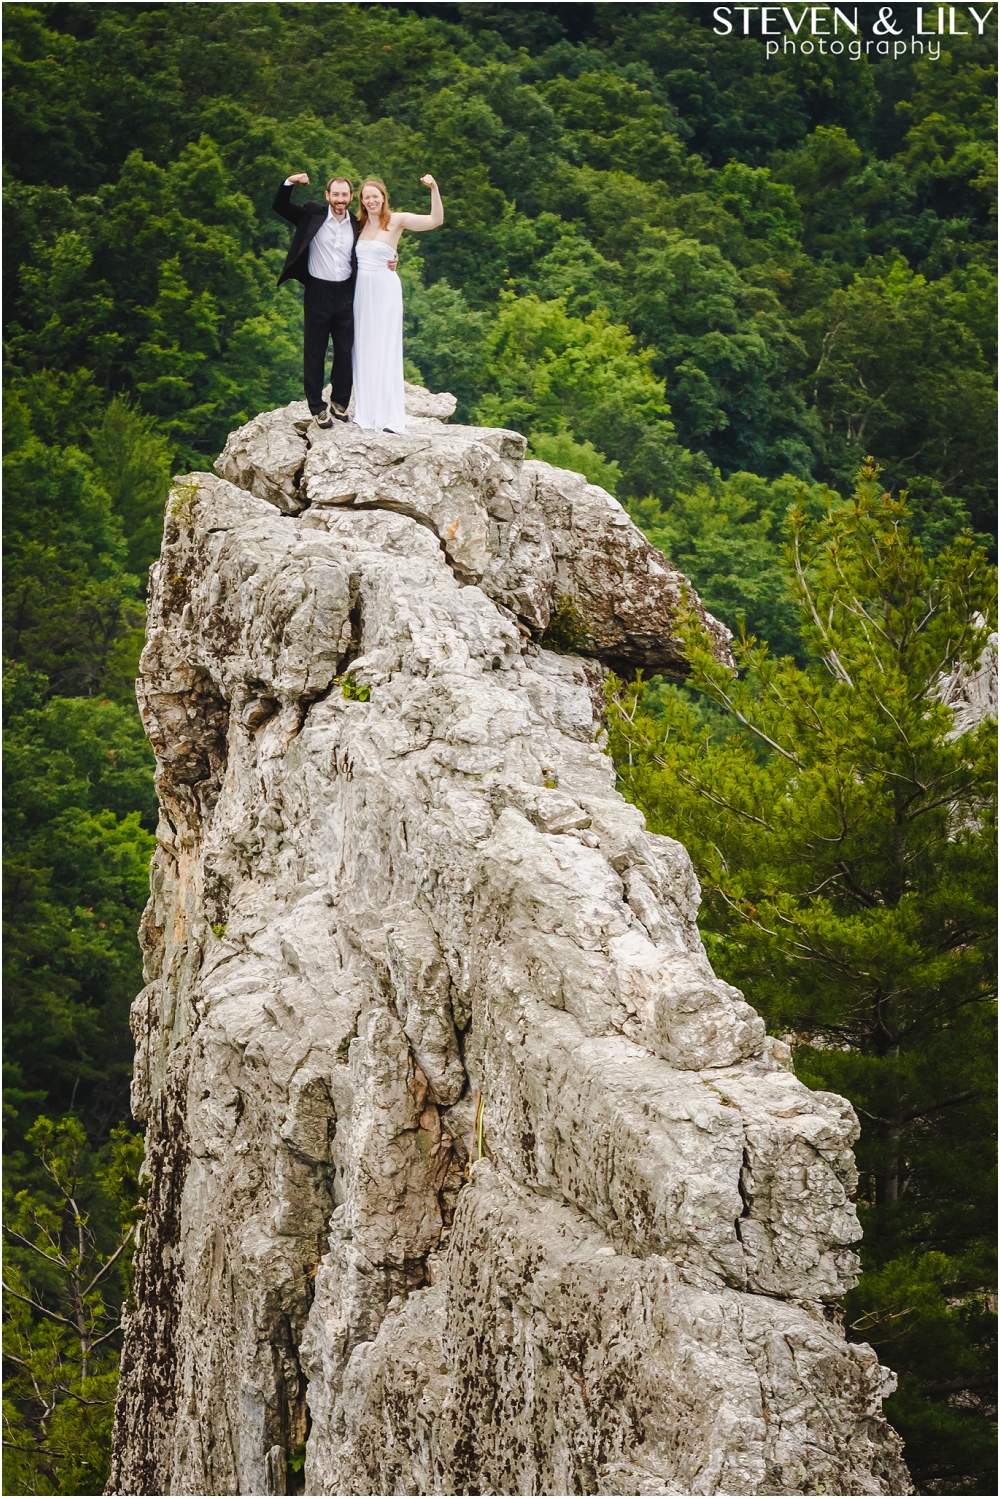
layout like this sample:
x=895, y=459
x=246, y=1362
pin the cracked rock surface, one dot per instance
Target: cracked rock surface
x=467, y=1174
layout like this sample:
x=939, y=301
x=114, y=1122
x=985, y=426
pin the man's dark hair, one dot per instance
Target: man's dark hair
x=338, y=178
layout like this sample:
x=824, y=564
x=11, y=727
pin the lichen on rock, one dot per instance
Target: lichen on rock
x=467, y=1172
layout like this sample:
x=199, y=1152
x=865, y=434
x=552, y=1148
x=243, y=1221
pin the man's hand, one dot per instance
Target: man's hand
x=391, y=264
x=300, y=177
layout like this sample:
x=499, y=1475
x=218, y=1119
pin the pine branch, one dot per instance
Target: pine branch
x=58, y=1258
x=52, y=1315
x=37, y=1450
x=106, y=1266
x=956, y=1385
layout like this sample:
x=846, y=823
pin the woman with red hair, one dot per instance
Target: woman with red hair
x=378, y=305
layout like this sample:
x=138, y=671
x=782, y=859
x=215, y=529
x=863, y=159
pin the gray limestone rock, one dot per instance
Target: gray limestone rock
x=540, y=541
x=972, y=695
x=467, y=1174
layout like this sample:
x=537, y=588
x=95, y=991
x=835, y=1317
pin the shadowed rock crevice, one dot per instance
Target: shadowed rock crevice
x=469, y=1174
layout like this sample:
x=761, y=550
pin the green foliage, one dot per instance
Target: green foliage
x=845, y=840
x=562, y=450
x=444, y=337
x=354, y=691
x=931, y=1317
x=727, y=537
x=708, y=281
x=85, y=491
x=610, y=124
x=546, y=371
x=566, y=632
x=899, y=368
x=133, y=460
x=71, y=610
x=63, y=1297
x=78, y=783
x=727, y=349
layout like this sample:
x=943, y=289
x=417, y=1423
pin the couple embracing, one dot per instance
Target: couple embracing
x=352, y=295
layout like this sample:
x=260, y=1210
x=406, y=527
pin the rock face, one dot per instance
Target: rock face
x=972, y=695
x=466, y=1172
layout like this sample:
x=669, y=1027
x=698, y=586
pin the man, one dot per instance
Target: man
x=323, y=258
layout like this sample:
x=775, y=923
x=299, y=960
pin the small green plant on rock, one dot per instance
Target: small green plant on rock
x=354, y=691
x=566, y=633
x=183, y=499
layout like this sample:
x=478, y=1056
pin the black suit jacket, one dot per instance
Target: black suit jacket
x=307, y=218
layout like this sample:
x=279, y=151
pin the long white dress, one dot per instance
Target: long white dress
x=378, y=340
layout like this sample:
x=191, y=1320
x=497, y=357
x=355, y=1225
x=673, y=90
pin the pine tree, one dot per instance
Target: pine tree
x=69, y=1240
x=844, y=833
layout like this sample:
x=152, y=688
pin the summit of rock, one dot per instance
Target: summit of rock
x=467, y=1173
x=539, y=541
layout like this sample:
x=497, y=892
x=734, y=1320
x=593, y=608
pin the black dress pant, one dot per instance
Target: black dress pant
x=328, y=309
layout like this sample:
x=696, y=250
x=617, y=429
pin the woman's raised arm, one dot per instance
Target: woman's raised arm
x=422, y=221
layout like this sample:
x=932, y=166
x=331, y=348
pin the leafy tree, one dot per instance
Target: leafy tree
x=855, y=205
x=609, y=123
x=845, y=840
x=444, y=336
x=734, y=101
x=545, y=371
x=728, y=354
x=571, y=270
x=70, y=608
x=78, y=786
x=727, y=537
x=133, y=460
x=896, y=364
x=946, y=151
x=841, y=194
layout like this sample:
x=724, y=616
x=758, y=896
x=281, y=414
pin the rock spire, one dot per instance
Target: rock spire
x=467, y=1174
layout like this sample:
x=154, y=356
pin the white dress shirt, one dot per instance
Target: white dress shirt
x=331, y=248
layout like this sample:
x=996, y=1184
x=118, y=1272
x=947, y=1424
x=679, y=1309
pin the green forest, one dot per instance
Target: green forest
x=752, y=297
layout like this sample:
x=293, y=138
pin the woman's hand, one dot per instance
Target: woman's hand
x=428, y=181
x=299, y=177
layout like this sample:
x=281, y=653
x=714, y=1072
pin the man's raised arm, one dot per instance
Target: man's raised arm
x=283, y=198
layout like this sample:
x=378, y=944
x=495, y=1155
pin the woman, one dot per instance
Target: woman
x=378, y=306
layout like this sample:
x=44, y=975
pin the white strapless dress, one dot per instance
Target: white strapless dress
x=378, y=341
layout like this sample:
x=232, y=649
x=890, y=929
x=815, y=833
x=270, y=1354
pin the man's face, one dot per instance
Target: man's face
x=339, y=196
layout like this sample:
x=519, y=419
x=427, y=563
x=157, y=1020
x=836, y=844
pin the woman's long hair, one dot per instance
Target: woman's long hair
x=384, y=215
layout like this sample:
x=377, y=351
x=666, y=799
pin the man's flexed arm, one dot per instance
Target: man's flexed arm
x=283, y=198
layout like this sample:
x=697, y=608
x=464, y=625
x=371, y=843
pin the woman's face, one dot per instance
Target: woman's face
x=372, y=199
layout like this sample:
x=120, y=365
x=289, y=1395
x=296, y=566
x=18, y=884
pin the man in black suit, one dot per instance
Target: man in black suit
x=322, y=257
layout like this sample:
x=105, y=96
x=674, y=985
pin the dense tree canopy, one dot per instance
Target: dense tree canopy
x=712, y=281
